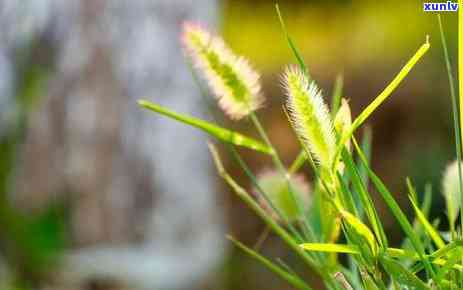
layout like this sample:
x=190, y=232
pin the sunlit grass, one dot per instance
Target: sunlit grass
x=347, y=216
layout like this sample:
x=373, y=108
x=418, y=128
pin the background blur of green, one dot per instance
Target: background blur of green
x=367, y=42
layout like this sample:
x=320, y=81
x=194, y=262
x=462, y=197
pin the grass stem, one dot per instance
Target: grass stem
x=454, y=111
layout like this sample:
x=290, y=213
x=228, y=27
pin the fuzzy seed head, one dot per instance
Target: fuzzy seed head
x=343, y=121
x=276, y=187
x=309, y=115
x=230, y=77
x=451, y=190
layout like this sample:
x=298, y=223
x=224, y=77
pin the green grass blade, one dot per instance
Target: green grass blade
x=365, y=199
x=285, y=275
x=402, y=275
x=427, y=225
x=453, y=258
x=365, y=145
x=283, y=172
x=397, y=212
x=346, y=195
x=330, y=248
x=337, y=94
x=460, y=86
x=384, y=94
x=293, y=47
x=425, y=208
x=411, y=190
x=427, y=200
x=401, y=253
x=456, y=125
x=368, y=282
x=436, y=256
x=390, y=88
x=298, y=162
x=361, y=229
x=213, y=130
x=286, y=266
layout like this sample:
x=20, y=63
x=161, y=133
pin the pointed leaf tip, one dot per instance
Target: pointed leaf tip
x=220, y=133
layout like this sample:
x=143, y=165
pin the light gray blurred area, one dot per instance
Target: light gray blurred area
x=146, y=210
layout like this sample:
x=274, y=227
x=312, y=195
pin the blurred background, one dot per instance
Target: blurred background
x=96, y=193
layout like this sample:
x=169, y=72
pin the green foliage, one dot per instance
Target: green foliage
x=215, y=131
x=341, y=218
x=33, y=243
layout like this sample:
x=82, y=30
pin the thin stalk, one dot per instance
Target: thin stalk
x=298, y=162
x=255, y=183
x=261, y=239
x=454, y=111
x=383, y=96
x=336, y=96
x=460, y=82
x=290, y=276
x=291, y=44
x=282, y=169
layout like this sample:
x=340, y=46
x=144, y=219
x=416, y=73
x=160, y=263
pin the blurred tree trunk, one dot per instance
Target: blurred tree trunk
x=133, y=178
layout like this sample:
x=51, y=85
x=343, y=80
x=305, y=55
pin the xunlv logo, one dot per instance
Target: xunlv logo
x=438, y=7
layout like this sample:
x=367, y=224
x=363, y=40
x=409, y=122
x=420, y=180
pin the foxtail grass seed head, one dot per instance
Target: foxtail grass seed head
x=310, y=116
x=276, y=188
x=230, y=77
x=451, y=190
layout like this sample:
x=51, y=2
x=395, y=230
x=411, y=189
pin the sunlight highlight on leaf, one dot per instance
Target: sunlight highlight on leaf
x=214, y=130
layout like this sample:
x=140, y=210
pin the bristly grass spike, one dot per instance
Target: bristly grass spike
x=231, y=78
x=310, y=115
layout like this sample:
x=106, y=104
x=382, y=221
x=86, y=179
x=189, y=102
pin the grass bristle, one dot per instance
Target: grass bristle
x=310, y=115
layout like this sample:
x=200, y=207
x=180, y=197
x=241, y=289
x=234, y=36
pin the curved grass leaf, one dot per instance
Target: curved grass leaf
x=402, y=275
x=289, y=277
x=385, y=93
x=453, y=259
x=460, y=87
x=337, y=94
x=361, y=229
x=293, y=47
x=213, y=130
x=368, y=282
x=427, y=225
x=435, y=257
x=453, y=98
x=396, y=211
x=391, y=87
x=365, y=199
